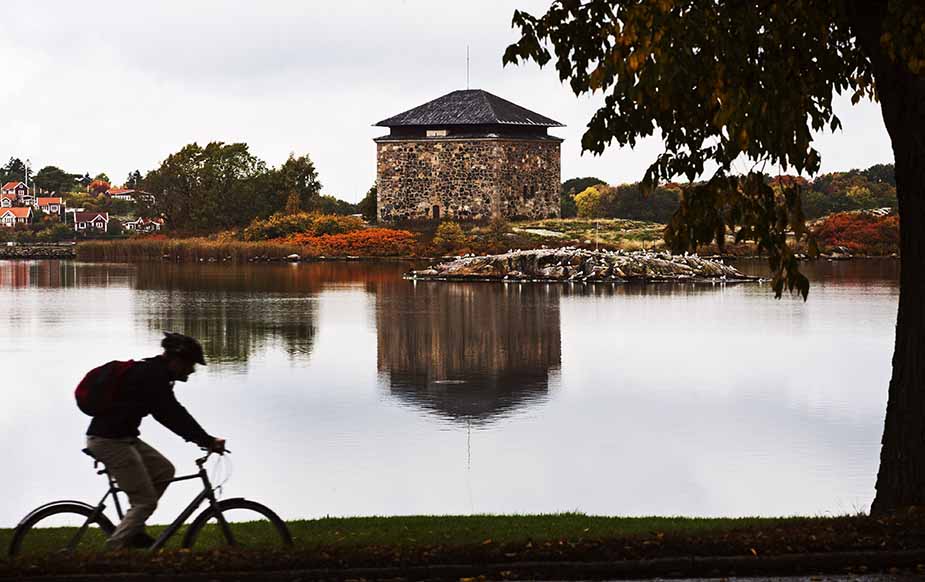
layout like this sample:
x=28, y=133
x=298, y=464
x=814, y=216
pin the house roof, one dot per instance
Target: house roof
x=147, y=221
x=90, y=216
x=52, y=200
x=469, y=107
x=18, y=212
x=8, y=196
x=114, y=191
x=11, y=185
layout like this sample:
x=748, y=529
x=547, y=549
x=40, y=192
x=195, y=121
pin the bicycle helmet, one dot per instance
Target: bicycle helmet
x=183, y=345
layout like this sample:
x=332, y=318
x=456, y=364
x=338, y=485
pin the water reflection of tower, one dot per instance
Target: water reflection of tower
x=468, y=352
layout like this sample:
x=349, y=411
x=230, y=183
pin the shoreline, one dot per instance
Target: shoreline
x=70, y=251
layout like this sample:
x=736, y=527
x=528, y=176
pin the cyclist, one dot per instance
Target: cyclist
x=139, y=470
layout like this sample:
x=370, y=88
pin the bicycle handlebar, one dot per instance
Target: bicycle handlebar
x=201, y=461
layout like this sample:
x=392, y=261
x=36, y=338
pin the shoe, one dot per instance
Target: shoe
x=141, y=540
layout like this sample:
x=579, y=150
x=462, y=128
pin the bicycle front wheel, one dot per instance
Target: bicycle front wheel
x=251, y=525
x=59, y=527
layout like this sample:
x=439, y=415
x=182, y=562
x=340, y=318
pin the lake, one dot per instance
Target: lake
x=345, y=390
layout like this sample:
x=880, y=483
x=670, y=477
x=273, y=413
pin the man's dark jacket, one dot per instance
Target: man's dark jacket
x=147, y=388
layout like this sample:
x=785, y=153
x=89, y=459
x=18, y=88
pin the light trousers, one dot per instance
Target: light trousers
x=141, y=472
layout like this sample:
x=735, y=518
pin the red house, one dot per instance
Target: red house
x=17, y=189
x=91, y=221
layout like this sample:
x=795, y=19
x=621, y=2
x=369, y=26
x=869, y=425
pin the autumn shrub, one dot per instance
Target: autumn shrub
x=334, y=224
x=449, y=237
x=859, y=233
x=282, y=225
x=588, y=202
x=491, y=238
x=371, y=242
x=277, y=226
x=98, y=187
x=54, y=233
x=230, y=235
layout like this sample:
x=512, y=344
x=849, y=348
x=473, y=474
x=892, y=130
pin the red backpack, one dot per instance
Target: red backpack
x=97, y=391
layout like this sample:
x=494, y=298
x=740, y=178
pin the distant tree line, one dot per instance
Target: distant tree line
x=224, y=186
x=200, y=189
x=874, y=187
x=50, y=178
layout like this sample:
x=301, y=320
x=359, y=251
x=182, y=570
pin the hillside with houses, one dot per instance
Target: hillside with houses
x=71, y=209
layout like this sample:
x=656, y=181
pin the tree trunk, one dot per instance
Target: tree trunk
x=901, y=478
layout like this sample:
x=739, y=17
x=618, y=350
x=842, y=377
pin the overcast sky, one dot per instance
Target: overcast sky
x=115, y=86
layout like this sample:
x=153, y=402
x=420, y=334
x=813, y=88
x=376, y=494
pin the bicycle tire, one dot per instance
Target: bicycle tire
x=270, y=531
x=50, y=542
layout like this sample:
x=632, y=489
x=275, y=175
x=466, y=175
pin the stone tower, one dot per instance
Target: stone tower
x=468, y=155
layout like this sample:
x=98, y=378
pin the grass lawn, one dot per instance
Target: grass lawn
x=485, y=539
x=616, y=232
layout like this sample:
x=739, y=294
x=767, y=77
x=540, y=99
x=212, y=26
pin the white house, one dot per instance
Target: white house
x=10, y=217
x=145, y=225
x=130, y=195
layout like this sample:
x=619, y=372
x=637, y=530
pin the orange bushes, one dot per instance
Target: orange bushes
x=859, y=233
x=281, y=225
x=371, y=242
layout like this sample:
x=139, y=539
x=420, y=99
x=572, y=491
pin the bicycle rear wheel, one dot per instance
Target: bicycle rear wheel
x=57, y=528
x=252, y=525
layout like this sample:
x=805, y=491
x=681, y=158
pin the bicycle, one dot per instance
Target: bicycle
x=60, y=519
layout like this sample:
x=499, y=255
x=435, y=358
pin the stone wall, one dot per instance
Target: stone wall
x=529, y=179
x=37, y=252
x=467, y=179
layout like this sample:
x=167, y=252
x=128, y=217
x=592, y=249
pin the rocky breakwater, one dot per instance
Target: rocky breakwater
x=36, y=251
x=582, y=265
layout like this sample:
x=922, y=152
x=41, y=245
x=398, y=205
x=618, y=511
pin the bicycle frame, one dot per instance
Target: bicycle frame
x=207, y=493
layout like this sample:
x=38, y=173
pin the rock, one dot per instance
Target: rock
x=572, y=264
x=552, y=273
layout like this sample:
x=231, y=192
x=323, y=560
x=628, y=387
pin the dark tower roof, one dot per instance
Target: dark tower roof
x=469, y=107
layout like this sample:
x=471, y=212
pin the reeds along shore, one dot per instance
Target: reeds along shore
x=183, y=250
